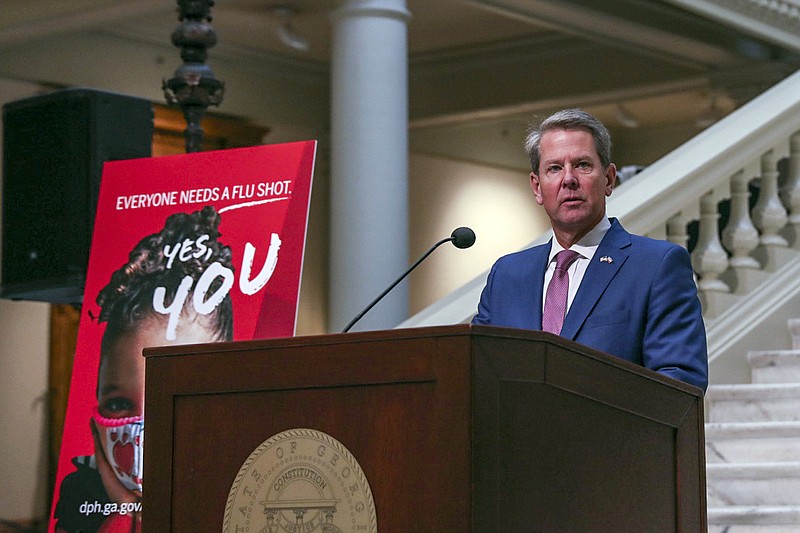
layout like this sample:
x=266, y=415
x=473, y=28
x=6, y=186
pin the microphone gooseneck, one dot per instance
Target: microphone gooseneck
x=462, y=237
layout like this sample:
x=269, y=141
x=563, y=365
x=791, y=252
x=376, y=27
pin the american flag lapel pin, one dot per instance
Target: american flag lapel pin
x=606, y=259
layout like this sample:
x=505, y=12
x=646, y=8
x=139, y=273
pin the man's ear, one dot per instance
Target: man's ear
x=536, y=188
x=611, y=178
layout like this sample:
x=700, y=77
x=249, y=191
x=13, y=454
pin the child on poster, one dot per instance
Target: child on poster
x=104, y=493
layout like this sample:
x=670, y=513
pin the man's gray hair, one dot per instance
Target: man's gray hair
x=569, y=119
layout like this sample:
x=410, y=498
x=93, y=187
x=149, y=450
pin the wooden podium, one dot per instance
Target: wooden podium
x=457, y=428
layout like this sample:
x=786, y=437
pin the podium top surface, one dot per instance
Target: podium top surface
x=466, y=331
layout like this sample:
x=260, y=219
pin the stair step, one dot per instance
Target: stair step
x=754, y=402
x=752, y=442
x=753, y=446
x=750, y=519
x=775, y=366
x=753, y=484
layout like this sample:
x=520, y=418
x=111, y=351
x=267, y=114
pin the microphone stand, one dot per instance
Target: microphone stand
x=393, y=285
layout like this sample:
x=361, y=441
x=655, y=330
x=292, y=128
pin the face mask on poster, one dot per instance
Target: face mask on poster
x=123, y=444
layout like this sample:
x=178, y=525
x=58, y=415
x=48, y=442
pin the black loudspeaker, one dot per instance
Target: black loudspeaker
x=54, y=147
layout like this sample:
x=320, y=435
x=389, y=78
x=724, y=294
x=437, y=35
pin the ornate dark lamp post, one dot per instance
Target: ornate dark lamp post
x=193, y=86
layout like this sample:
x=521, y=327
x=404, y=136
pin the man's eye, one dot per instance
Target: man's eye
x=553, y=169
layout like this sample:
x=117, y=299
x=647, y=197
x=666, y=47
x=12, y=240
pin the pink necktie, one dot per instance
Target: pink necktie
x=555, y=303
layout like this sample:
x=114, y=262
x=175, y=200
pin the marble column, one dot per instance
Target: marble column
x=369, y=162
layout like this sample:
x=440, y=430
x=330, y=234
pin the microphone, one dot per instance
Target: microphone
x=462, y=237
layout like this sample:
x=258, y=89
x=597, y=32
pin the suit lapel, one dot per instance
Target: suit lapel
x=607, y=260
x=536, y=276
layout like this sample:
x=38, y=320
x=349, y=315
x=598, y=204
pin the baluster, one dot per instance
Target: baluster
x=790, y=192
x=659, y=232
x=709, y=259
x=769, y=215
x=740, y=236
x=676, y=229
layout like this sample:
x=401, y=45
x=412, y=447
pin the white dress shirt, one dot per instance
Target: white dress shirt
x=587, y=247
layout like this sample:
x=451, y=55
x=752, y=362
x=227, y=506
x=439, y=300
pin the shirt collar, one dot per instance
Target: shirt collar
x=588, y=244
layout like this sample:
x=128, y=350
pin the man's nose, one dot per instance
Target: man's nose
x=570, y=181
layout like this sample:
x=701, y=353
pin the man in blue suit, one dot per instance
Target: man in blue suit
x=627, y=295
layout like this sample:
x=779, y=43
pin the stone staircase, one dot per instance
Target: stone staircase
x=753, y=446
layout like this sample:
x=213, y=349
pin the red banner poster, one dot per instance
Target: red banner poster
x=194, y=248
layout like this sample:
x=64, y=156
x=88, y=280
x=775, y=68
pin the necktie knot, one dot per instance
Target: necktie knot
x=565, y=258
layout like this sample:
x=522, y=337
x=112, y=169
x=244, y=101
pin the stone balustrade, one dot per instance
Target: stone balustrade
x=744, y=226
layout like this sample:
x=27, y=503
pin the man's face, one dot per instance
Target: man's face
x=571, y=183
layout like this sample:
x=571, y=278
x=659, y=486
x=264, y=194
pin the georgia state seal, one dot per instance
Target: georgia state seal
x=300, y=481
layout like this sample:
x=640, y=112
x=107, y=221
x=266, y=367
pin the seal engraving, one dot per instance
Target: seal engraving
x=300, y=481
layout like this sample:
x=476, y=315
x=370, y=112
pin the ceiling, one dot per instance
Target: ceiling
x=645, y=63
